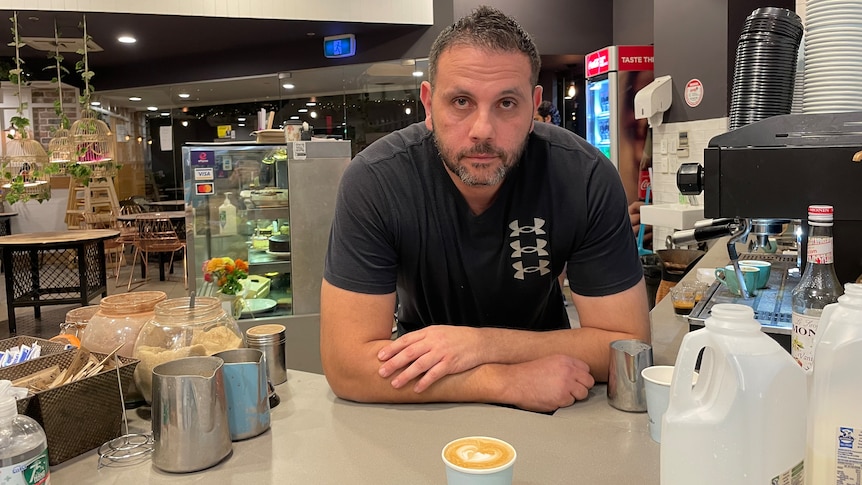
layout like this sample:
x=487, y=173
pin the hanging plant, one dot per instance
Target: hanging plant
x=23, y=168
x=60, y=147
x=92, y=139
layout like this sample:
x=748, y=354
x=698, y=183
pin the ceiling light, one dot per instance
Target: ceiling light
x=311, y=103
x=288, y=86
x=134, y=98
x=185, y=123
x=240, y=124
x=165, y=113
x=184, y=95
x=407, y=110
x=127, y=39
x=418, y=73
x=95, y=103
x=313, y=114
x=241, y=119
x=153, y=108
x=302, y=110
x=571, y=92
x=294, y=117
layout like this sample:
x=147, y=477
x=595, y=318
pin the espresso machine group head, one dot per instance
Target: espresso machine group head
x=759, y=177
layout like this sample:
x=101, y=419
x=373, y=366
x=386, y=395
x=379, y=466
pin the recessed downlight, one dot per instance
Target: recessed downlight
x=418, y=73
x=152, y=108
x=294, y=117
x=241, y=119
x=126, y=39
x=311, y=103
x=184, y=95
x=95, y=103
x=134, y=98
x=302, y=110
x=288, y=86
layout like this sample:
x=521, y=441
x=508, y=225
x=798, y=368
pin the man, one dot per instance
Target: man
x=470, y=217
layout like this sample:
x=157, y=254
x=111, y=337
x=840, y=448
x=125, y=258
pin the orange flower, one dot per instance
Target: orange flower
x=226, y=273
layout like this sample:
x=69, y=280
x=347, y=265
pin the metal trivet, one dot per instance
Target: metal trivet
x=130, y=448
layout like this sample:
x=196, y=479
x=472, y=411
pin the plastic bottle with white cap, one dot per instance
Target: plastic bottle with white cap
x=23, y=445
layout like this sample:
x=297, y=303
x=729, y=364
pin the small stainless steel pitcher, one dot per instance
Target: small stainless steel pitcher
x=190, y=424
x=625, y=383
x=247, y=392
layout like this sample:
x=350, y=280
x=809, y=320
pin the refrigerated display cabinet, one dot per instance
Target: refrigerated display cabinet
x=283, y=197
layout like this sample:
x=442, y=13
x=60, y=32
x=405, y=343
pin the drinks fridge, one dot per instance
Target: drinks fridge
x=614, y=74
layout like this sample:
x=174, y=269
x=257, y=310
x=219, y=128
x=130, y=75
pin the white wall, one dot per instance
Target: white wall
x=665, y=165
x=418, y=12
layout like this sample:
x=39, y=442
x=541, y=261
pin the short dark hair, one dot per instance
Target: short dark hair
x=486, y=28
x=547, y=109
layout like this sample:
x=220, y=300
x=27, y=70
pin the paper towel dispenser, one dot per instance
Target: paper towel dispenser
x=653, y=100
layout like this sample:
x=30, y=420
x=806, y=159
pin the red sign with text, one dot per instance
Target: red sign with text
x=635, y=58
x=619, y=58
x=598, y=62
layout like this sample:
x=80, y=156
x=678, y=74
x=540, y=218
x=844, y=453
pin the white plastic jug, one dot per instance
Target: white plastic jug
x=834, y=417
x=743, y=422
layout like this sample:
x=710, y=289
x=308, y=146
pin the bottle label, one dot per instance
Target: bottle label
x=802, y=343
x=32, y=472
x=794, y=476
x=820, y=250
x=222, y=218
x=848, y=451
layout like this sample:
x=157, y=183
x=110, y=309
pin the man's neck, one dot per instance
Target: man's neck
x=478, y=197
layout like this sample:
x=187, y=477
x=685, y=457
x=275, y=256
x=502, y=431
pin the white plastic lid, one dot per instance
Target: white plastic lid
x=820, y=213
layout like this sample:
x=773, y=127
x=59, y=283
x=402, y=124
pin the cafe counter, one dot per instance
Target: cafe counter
x=320, y=439
x=317, y=438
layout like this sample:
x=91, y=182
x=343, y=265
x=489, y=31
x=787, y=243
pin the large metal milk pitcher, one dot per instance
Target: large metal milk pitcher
x=190, y=423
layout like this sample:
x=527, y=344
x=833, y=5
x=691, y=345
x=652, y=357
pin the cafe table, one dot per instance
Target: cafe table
x=317, y=438
x=53, y=268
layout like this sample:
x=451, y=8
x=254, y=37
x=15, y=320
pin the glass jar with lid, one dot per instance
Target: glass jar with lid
x=179, y=330
x=118, y=321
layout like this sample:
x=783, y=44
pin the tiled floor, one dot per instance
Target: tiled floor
x=52, y=316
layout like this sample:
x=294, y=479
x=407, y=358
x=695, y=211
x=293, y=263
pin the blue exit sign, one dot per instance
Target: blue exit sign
x=339, y=46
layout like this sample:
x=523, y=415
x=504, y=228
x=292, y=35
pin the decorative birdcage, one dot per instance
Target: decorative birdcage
x=23, y=174
x=60, y=150
x=92, y=140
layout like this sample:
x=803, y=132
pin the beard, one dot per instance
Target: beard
x=489, y=176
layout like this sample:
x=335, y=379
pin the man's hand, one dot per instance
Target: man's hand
x=635, y=216
x=435, y=351
x=547, y=384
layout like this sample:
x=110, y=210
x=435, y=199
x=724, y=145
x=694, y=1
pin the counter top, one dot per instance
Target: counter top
x=320, y=439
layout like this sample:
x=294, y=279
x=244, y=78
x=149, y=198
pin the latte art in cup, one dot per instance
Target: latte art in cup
x=478, y=453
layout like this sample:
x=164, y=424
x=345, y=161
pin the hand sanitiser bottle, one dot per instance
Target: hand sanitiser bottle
x=23, y=446
x=834, y=420
x=227, y=216
x=743, y=421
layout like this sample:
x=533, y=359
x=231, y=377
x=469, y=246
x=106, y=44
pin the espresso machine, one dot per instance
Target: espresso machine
x=759, y=178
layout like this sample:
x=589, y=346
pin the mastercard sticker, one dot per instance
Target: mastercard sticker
x=207, y=188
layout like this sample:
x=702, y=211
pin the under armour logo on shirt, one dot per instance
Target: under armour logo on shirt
x=530, y=245
x=542, y=269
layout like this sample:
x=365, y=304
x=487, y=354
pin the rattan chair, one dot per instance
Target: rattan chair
x=114, y=248
x=157, y=235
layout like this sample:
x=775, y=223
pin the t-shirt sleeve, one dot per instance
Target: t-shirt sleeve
x=361, y=256
x=606, y=261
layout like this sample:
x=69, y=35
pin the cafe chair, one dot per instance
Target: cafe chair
x=130, y=206
x=157, y=235
x=113, y=247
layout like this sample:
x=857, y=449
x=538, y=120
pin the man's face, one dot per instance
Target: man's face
x=481, y=111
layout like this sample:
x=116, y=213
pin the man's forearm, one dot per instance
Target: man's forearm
x=357, y=379
x=590, y=345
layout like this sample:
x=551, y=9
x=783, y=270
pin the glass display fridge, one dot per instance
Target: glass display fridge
x=613, y=77
x=270, y=205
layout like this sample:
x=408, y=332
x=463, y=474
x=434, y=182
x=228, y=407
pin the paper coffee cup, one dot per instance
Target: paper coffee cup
x=476, y=460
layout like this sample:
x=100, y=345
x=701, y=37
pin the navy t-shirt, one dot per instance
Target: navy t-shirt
x=401, y=224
